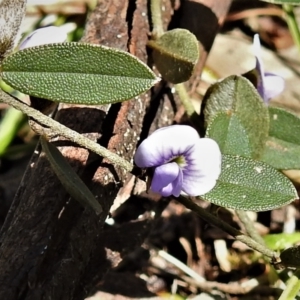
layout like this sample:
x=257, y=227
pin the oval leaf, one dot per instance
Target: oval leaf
x=175, y=54
x=291, y=257
x=69, y=178
x=283, y=145
x=77, y=73
x=236, y=116
x=247, y=184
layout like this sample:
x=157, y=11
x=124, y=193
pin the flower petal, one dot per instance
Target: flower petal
x=173, y=188
x=164, y=144
x=167, y=180
x=42, y=36
x=268, y=85
x=259, y=65
x=177, y=184
x=273, y=85
x=203, y=167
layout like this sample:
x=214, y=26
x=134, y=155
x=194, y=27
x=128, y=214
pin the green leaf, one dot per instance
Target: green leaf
x=291, y=257
x=12, y=13
x=77, y=73
x=230, y=134
x=69, y=178
x=282, y=149
x=281, y=155
x=236, y=116
x=293, y=2
x=247, y=184
x=284, y=125
x=175, y=54
x=281, y=241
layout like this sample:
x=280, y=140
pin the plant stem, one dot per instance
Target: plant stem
x=185, y=99
x=157, y=31
x=209, y=218
x=156, y=17
x=187, y=104
x=292, y=287
x=251, y=230
x=59, y=129
x=292, y=23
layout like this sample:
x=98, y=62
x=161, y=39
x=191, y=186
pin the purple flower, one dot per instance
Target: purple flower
x=182, y=161
x=269, y=85
x=42, y=36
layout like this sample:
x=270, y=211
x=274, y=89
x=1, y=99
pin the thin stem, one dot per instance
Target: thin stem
x=209, y=218
x=187, y=104
x=185, y=99
x=292, y=23
x=292, y=287
x=64, y=131
x=157, y=31
x=156, y=17
x=251, y=230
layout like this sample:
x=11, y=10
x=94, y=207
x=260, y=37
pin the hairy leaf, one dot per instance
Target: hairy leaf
x=175, y=54
x=77, y=73
x=236, y=117
x=291, y=257
x=247, y=184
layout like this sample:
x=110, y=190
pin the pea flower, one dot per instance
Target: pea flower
x=183, y=162
x=269, y=85
x=42, y=36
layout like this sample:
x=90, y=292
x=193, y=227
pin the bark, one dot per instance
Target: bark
x=51, y=247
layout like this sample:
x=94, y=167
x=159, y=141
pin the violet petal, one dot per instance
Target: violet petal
x=165, y=144
x=269, y=85
x=167, y=180
x=259, y=65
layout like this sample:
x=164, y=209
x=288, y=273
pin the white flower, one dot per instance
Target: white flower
x=182, y=161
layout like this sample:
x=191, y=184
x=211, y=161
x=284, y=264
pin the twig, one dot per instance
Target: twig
x=64, y=131
x=209, y=218
x=187, y=104
x=185, y=99
x=156, y=17
x=251, y=230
